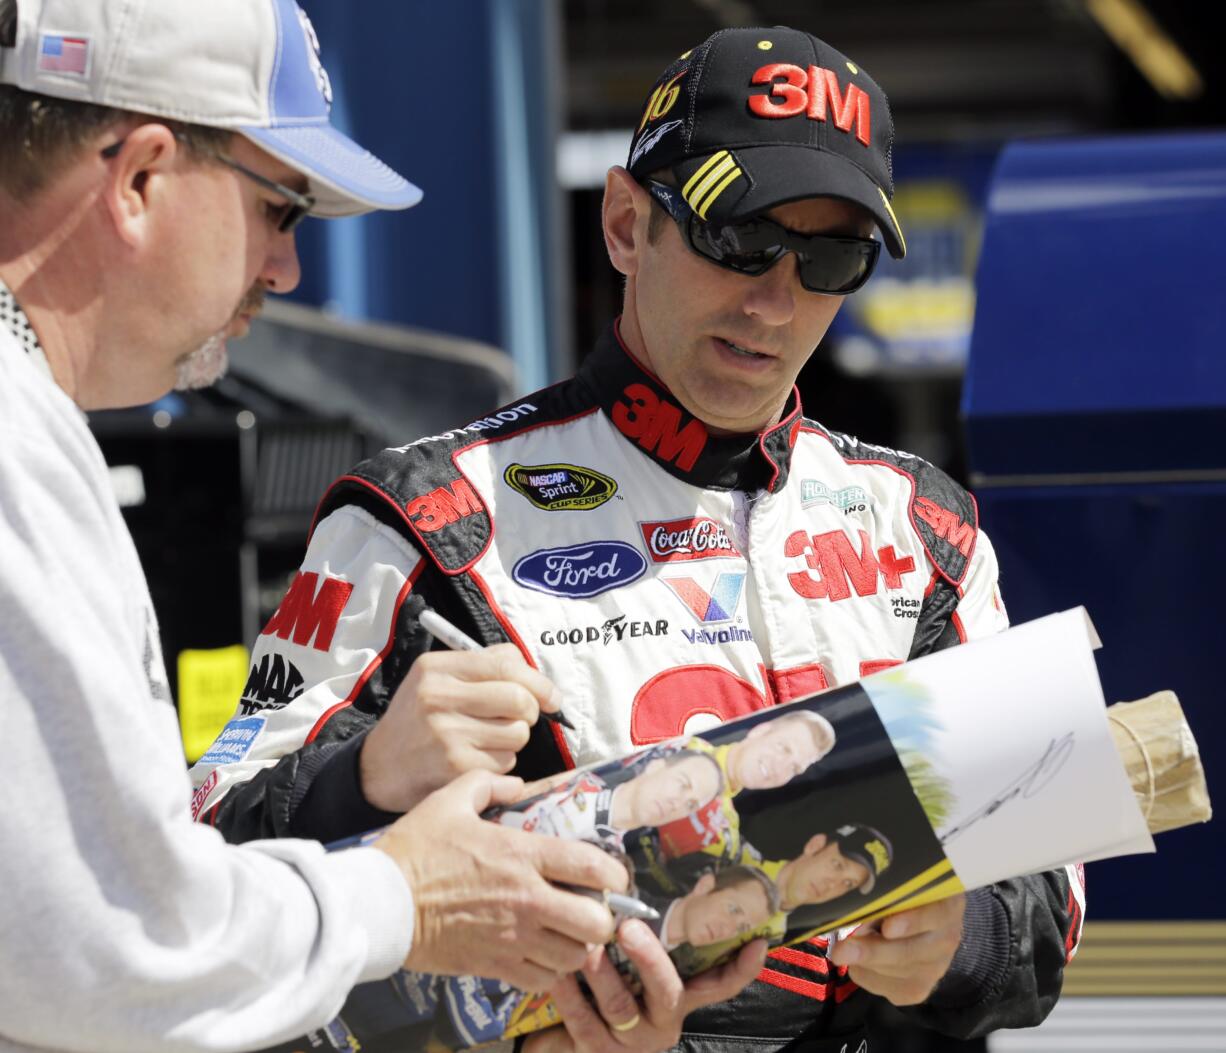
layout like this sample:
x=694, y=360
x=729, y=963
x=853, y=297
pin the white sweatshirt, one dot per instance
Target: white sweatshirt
x=123, y=925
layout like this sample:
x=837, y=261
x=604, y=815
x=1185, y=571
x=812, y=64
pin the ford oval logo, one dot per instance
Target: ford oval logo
x=580, y=570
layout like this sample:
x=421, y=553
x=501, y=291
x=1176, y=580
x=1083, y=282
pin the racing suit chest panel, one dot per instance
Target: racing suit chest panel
x=661, y=607
x=839, y=573
x=605, y=597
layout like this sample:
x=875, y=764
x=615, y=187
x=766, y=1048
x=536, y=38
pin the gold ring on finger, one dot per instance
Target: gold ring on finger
x=626, y=1025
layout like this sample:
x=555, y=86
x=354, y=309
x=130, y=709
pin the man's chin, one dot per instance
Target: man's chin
x=204, y=366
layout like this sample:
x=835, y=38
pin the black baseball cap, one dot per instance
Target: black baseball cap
x=754, y=118
x=867, y=846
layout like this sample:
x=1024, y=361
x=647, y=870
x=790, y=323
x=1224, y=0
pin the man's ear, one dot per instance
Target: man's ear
x=814, y=845
x=134, y=183
x=624, y=216
x=703, y=885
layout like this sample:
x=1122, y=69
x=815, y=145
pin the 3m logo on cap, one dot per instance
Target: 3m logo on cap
x=716, y=174
x=61, y=54
x=808, y=93
x=718, y=605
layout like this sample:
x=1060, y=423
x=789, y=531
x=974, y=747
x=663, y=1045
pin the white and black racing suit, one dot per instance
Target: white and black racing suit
x=666, y=580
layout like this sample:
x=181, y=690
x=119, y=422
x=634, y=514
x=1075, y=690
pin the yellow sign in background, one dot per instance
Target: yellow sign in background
x=210, y=684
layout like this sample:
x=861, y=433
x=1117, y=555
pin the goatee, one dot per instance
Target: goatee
x=204, y=366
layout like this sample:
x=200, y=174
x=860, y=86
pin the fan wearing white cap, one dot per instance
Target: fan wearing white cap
x=155, y=156
x=158, y=78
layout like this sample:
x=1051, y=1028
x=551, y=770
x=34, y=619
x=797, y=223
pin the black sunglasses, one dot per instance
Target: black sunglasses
x=827, y=264
x=297, y=208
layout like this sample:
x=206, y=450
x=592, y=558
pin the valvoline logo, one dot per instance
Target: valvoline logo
x=580, y=570
x=718, y=605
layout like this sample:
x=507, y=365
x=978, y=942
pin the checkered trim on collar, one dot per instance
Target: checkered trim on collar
x=14, y=319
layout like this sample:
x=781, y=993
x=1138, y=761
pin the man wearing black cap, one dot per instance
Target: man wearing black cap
x=663, y=536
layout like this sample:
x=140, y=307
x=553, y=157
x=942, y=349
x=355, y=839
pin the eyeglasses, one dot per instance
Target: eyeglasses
x=831, y=265
x=297, y=208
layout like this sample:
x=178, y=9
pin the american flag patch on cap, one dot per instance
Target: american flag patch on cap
x=63, y=54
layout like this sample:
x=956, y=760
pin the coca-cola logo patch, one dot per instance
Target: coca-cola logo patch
x=579, y=571
x=680, y=540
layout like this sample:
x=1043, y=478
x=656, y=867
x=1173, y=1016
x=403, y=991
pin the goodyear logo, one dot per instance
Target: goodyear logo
x=560, y=487
x=879, y=853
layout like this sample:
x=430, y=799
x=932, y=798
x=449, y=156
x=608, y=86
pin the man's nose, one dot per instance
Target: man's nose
x=282, y=272
x=771, y=297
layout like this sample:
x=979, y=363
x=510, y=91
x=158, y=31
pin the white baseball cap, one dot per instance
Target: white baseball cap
x=251, y=66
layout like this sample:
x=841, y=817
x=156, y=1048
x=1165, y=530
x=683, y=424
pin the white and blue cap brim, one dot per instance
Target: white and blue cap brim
x=345, y=178
x=295, y=127
x=248, y=66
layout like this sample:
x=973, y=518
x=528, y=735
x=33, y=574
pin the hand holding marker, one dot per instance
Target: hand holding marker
x=443, y=631
x=458, y=640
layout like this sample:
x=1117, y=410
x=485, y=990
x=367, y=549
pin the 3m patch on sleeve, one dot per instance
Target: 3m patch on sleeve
x=210, y=683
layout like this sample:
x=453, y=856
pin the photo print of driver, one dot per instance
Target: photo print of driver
x=721, y=906
x=764, y=756
x=848, y=860
x=659, y=786
x=818, y=801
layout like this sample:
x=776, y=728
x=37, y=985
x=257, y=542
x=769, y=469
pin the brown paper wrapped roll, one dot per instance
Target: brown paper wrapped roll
x=1163, y=763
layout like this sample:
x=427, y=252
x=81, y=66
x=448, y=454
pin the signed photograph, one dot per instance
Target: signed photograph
x=1034, y=766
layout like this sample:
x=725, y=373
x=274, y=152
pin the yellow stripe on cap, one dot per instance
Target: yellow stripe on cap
x=714, y=176
x=894, y=219
x=705, y=178
x=723, y=185
x=703, y=169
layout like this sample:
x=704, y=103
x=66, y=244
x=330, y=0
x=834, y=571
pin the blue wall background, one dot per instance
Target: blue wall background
x=459, y=98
